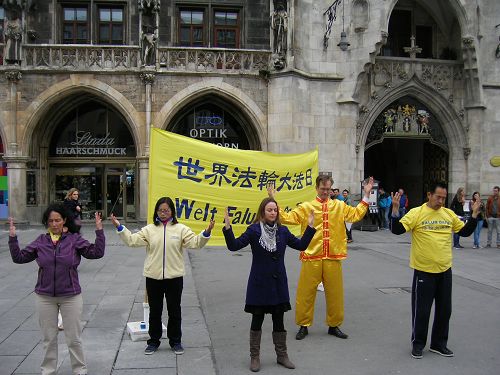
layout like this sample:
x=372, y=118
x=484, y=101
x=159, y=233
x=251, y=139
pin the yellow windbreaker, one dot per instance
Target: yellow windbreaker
x=330, y=241
x=164, y=244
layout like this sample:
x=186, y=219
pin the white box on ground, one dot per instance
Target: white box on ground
x=137, y=334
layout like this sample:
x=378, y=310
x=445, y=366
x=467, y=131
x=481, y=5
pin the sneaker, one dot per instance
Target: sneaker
x=416, y=353
x=475, y=247
x=445, y=352
x=178, y=349
x=150, y=349
x=320, y=287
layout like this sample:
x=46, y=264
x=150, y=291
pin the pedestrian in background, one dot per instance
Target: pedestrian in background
x=73, y=205
x=58, y=254
x=348, y=226
x=480, y=218
x=431, y=258
x=384, y=204
x=267, y=288
x=164, y=239
x=492, y=216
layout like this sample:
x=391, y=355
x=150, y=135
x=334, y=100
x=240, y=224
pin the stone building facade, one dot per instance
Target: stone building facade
x=414, y=97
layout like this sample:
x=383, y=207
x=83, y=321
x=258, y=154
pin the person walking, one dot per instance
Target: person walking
x=73, y=205
x=431, y=259
x=480, y=218
x=164, y=240
x=322, y=260
x=384, y=204
x=58, y=254
x=493, y=215
x=267, y=288
x=457, y=206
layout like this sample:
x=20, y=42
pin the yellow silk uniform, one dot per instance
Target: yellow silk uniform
x=321, y=260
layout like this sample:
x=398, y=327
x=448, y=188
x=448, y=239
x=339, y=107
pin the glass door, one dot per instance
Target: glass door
x=115, y=193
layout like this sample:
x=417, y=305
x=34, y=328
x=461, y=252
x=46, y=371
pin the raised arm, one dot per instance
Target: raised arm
x=26, y=255
x=130, y=239
x=93, y=250
x=303, y=242
x=396, y=226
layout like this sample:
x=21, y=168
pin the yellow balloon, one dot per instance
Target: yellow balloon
x=495, y=161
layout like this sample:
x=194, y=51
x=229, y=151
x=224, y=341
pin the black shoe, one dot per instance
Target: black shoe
x=445, y=352
x=303, y=332
x=150, y=349
x=416, y=353
x=178, y=349
x=335, y=331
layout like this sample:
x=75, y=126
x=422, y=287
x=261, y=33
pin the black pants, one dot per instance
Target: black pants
x=278, y=325
x=172, y=290
x=426, y=288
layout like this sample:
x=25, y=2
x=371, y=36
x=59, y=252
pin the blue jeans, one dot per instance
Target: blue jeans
x=477, y=232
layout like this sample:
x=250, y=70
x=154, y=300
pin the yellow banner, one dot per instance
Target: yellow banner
x=203, y=179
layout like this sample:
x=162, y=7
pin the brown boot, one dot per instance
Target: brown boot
x=255, y=350
x=279, y=339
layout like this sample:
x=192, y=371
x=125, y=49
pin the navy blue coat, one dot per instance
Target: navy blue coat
x=267, y=283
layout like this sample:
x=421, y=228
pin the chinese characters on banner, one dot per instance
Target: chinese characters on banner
x=203, y=179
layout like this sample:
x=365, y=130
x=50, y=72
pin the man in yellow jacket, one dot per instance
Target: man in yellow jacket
x=321, y=262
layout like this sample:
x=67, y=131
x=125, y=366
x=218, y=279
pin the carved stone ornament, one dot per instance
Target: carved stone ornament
x=461, y=113
x=357, y=148
x=384, y=35
x=152, y=5
x=468, y=42
x=467, y=151
x=18, y=4
x=147, y=78
x=374, y=95
x=364, y=109
x=13, y=76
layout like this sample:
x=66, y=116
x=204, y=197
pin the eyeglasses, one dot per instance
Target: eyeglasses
x=164, y=211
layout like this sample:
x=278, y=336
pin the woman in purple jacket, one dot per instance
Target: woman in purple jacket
x=58, y=254
x=267, y=289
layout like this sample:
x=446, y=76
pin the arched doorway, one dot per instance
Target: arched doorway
x=406, y=148
x=212, y=119
x=88, y=145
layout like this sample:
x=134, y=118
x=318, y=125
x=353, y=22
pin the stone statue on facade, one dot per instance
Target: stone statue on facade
x=13, y=34
x=149, y=42
x=153, y=5
x=279, y=25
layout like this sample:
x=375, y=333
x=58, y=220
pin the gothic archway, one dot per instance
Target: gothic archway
x=407, y=148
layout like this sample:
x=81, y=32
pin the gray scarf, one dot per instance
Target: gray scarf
x=268, y=236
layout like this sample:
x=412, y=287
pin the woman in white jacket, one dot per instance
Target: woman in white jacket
x=164, y=240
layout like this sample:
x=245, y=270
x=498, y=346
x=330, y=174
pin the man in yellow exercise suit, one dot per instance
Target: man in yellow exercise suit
x=321, y=261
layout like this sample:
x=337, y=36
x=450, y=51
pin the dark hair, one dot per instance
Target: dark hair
x=496, y=187
x=262, y=209
x=323, y=178
x=345, y=191
x=476, y=192
x=61, y=210
x=170, y=204
x=437, y=184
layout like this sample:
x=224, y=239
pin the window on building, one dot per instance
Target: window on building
x=2, y=16
x=192, y=27
x=226, y=29
x=110, y=25
x=75, y=24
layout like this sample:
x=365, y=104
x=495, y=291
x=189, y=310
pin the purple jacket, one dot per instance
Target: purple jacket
x=57, y=272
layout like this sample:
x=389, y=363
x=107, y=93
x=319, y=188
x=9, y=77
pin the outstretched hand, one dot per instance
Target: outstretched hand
x=368, y=186
x=210, y=227
x=227, y=222
x=98, y=221
x=396, y=197
x=12, y=228
x=271, y=190
x=114, y=220
x=476, y=206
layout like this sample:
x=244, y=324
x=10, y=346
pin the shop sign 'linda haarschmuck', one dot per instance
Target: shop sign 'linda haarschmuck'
x=203, y=179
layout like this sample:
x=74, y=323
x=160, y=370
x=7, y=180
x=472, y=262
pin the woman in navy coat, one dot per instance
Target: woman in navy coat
x=267, y=289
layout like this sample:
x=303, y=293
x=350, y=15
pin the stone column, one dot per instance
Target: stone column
x=148, y=78
x=16, y=172
x=13, y=76
x=143, y=187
